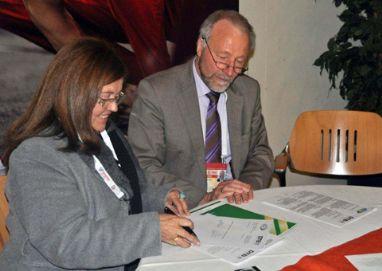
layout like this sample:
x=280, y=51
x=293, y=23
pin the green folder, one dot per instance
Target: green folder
x=227, y=210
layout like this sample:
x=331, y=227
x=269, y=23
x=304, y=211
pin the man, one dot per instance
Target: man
x=171, y=128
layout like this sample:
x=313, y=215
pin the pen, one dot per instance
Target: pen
x=188, y=229
x=182, y=195
x=253, y=268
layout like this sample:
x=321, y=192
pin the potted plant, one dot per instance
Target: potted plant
x=354, y=56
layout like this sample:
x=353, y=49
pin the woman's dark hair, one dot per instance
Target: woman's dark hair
x=68, y=92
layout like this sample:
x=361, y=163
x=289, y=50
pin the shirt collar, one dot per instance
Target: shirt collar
x=201, y=87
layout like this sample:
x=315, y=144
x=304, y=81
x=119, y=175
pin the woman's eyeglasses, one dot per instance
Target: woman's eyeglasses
x=103, y=102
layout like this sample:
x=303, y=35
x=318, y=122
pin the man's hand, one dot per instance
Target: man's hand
x=176, y=204
x=234, y=190
x=244, y=197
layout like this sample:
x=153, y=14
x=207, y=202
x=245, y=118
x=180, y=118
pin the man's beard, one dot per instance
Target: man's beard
x=209, y=80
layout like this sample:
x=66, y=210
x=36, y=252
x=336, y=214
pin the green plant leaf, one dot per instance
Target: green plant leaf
x=354, y=55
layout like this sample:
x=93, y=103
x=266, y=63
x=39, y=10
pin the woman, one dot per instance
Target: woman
x=75, y=191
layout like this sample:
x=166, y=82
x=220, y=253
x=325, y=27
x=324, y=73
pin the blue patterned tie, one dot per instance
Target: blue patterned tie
x=213, y=131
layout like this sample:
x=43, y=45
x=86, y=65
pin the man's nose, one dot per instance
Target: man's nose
x=230, y=71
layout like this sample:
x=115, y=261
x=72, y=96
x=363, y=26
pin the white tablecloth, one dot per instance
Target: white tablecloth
x=309, y=237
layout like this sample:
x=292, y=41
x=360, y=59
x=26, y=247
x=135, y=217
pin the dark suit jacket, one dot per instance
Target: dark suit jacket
x=166, y=135
x=63, y=216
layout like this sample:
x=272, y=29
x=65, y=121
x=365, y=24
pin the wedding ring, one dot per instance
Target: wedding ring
x=176, y=239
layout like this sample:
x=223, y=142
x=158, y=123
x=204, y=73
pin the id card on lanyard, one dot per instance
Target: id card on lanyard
x=107, y=179
x=216, y=172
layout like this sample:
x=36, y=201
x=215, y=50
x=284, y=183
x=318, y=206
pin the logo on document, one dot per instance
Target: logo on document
x=346, y=219
x=259, y=239
x=246, y=254
x=362, y=210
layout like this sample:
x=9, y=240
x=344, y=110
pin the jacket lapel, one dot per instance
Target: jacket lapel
x=108, y=162
x=89, y=161
x=190, y=113
x=234, y=116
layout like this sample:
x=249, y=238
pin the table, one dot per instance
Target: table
x=309, y=238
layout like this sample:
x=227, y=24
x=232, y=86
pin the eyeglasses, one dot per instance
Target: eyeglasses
x=103, y=102
x=221, y=65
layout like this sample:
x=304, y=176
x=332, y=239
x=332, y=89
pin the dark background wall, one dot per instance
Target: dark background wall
x=22, y=63
x=21, y=66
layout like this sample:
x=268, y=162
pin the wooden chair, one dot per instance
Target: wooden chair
x=4, y=234
x=333, y=143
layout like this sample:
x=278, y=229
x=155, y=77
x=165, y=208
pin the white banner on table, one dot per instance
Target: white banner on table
x=321, y=207
x=366, y=262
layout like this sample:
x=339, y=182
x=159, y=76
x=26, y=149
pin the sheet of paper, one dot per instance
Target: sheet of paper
x=366, y=262
x=235, y=234
x=230, y=254
x=321, y=207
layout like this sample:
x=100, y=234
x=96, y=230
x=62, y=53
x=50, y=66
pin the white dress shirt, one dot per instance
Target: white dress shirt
x=202, y=90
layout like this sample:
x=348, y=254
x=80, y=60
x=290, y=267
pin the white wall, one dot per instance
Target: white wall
x=290, y=35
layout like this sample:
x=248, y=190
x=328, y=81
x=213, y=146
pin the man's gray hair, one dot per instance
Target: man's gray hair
x=232, y=16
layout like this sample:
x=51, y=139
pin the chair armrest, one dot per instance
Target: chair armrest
x=281, y=162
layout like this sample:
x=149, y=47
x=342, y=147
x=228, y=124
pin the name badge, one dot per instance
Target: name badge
x=216, y=172
x=107, y=179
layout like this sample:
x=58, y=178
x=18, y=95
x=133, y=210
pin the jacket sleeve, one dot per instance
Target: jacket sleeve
x=259, y=166
x=45, y=197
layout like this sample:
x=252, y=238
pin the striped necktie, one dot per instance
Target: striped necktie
x=213, y=130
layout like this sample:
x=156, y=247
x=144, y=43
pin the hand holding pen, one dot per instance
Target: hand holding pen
x=188, y=229
x=176, y=205
x=174, y=231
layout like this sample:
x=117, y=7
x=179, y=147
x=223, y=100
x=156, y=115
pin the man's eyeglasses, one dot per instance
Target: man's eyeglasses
x=221, y=65
x=117, y=100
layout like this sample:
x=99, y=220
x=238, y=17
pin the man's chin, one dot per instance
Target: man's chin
x=219, y=88
x=215, y=86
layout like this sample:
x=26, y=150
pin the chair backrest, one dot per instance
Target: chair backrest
x=337, y=143
x=4, y=234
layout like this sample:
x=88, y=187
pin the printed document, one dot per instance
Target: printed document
x=321, y=207
x=235, y=234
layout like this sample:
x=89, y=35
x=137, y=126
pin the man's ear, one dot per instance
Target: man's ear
x=199, y=47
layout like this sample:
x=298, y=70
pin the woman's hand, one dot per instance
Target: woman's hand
x=172, y=232
x=176, y=204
